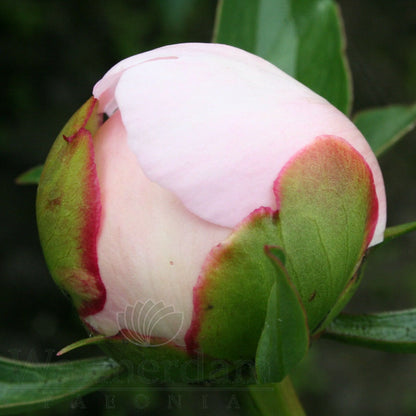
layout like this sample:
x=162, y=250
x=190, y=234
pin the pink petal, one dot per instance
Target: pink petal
x=150, y=247
x=216, y=125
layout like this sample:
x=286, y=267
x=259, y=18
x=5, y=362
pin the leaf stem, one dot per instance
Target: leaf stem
x=277, y=399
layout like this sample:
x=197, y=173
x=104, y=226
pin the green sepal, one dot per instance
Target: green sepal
x=231, y=300
x=327, y=216
x=30, y=177
x=343, y=299
x=328, y=212
x=86, y=117
x=168, y=364
x=68, y=210
x=387, y=331
x=284, y=340
x=383, y=127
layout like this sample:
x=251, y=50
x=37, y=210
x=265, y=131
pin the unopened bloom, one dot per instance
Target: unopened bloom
x=207, y=155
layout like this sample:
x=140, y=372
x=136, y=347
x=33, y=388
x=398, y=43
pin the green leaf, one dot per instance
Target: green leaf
x=388, y=331
x=284, y=340
x=398, y=230
x=25, y=386
x=304, y=38
x=175, y=13
x=30, y=177
x=383, y=127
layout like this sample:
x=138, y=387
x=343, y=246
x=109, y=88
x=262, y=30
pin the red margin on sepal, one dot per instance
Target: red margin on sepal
x=90, y=233
x=211, y=262
x=327, y=145
x=80, y=122
x=91, y=212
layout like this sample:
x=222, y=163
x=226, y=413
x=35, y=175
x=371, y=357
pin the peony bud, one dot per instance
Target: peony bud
x=155, y=221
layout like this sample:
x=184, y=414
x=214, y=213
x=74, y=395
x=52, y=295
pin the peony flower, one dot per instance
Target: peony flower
x=155, y=220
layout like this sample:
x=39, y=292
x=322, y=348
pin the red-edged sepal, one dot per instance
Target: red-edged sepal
x=68, y=211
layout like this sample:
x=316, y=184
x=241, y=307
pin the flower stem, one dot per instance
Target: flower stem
x=277, y=399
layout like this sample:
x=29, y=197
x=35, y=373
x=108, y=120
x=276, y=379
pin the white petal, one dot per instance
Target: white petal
x=150, y=247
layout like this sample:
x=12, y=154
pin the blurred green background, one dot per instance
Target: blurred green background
x=52, y=53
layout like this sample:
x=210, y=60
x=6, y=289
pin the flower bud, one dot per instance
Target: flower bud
x=155, y=220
